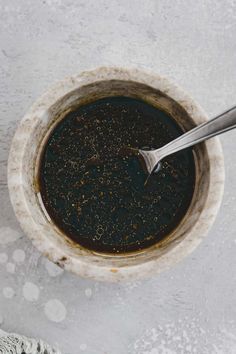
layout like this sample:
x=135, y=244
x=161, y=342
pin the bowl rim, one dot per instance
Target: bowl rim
x=98, y=271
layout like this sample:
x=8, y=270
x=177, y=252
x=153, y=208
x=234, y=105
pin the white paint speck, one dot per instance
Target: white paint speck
x=188, y=348
x=18, y=256
x=8, y=235
x=8, y=292
x=154, y=351
x=30, y=291
x=3, y=258
x=83, y=346
x=55, y=310
x=10, y=267
x=88, y=292
x=52, y=269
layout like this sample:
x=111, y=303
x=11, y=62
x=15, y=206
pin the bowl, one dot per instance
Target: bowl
x=24, y=159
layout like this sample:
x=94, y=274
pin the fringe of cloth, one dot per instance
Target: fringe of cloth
x=17, y=344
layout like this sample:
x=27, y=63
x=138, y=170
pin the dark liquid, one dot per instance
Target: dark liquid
x=96, y=195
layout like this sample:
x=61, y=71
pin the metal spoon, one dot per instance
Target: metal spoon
x=220, y=124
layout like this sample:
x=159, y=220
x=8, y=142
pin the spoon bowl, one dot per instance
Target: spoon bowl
x=218, y=125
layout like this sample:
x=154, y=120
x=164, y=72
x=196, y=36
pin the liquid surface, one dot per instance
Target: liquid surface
x=96, y=195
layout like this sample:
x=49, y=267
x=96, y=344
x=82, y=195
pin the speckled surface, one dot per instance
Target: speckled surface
x=189, y=309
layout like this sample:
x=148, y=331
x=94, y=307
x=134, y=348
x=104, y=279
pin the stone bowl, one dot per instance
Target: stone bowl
x=24, y=158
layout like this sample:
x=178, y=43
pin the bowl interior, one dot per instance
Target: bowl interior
x=41, y=127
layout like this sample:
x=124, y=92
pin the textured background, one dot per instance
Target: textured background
x=190, y=309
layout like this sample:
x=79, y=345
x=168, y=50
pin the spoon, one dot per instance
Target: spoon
x=218, y=125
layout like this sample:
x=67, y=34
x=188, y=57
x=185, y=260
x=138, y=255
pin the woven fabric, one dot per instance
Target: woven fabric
x=17, y=344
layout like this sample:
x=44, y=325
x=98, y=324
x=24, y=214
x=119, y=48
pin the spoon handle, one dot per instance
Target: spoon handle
x=218, y=125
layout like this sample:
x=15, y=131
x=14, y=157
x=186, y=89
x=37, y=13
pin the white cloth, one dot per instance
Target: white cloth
x=11, y=343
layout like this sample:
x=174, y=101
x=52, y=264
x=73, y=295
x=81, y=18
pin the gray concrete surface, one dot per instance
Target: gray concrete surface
x=190, y=309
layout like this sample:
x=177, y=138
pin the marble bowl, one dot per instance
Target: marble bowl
x=24, y=191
